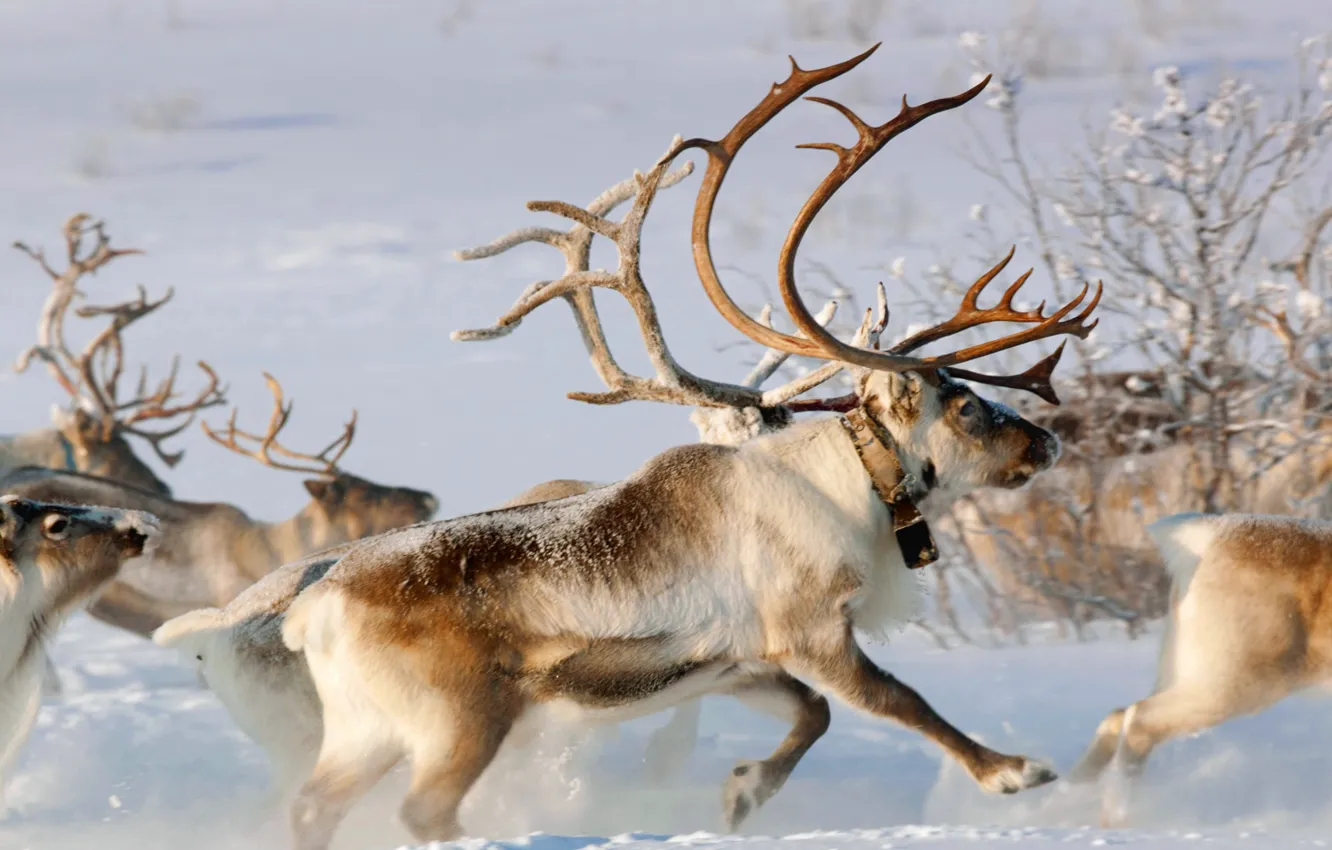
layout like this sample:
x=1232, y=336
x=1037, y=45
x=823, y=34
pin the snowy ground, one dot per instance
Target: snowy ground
x=301, y=170
x=136, y=755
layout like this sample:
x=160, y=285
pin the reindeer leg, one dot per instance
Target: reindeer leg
x=843, y=668
x=1179, y=710
x=359, y=746
x=751, y=783
x=448, y=760
x=670, y=746
x=1101, y=750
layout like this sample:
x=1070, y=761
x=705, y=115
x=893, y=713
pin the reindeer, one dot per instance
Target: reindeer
x=1247, y=628
x=267, y=689
x=53, y=558
x=1077, y=538
x=711, y=569
x=210, y=552
x=91, y=436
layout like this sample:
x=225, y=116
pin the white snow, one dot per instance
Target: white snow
x=301, y=172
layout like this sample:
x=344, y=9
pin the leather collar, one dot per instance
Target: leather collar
x=897, y=488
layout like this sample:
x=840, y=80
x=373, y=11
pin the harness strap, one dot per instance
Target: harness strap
x=894, y=486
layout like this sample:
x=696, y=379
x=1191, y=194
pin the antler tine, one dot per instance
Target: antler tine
x=1035, y=380
x=156, y=438
x=267, y=444
x=155, y=407
x=342, y=442
x=970, y=315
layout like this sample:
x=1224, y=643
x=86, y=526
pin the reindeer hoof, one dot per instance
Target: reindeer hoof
x=1018, y=774
x=743, y=792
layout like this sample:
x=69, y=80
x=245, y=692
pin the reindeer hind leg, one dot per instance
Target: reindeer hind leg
x=1101, y=749
x=454, y=740
x=1177, y=711
x=359, y=745
x=752, y=783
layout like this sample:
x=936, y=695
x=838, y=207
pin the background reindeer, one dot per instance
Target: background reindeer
x=53, y=558
x=210, y=552
x=711, y=569
x=1247, y=628
x=91, y=436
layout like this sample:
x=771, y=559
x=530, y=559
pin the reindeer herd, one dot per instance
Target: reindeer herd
x=359, y=633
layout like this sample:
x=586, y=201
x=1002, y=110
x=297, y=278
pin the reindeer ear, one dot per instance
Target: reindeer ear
x=326, y=490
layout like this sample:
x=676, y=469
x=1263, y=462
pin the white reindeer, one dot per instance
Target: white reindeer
x=267, y=688
x=53, y=558
x=712, y=569
x=1247, y=628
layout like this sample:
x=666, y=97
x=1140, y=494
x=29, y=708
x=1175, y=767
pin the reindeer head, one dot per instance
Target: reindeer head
x=359, y=508
x=347, y=506
x=89, y=449
x=99, y=419
x=69, y=552
x=943, y=432
x=950, y=437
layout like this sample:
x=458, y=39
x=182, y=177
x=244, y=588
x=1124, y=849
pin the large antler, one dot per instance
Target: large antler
x=324, y=463
x=94, y=374
x=671, y=382
x=817, y=342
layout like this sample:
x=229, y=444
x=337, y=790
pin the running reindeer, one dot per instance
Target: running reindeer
x=91, y=436
x=267, y=688
x=210, y=552
x=53, y=558
x=711, y=569
x=1248, y=626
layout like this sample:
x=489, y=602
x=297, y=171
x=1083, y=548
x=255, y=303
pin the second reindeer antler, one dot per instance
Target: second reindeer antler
x=671, y=383
x=323, y=463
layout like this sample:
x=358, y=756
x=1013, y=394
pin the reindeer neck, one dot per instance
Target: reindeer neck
x=295, y=537
x=820, y=451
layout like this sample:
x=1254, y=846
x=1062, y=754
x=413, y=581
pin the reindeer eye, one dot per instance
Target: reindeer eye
x=56, y=525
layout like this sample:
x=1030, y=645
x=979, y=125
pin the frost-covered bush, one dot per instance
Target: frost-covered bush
x=1209, y=353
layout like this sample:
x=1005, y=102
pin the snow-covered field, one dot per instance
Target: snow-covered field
x=301, y=170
